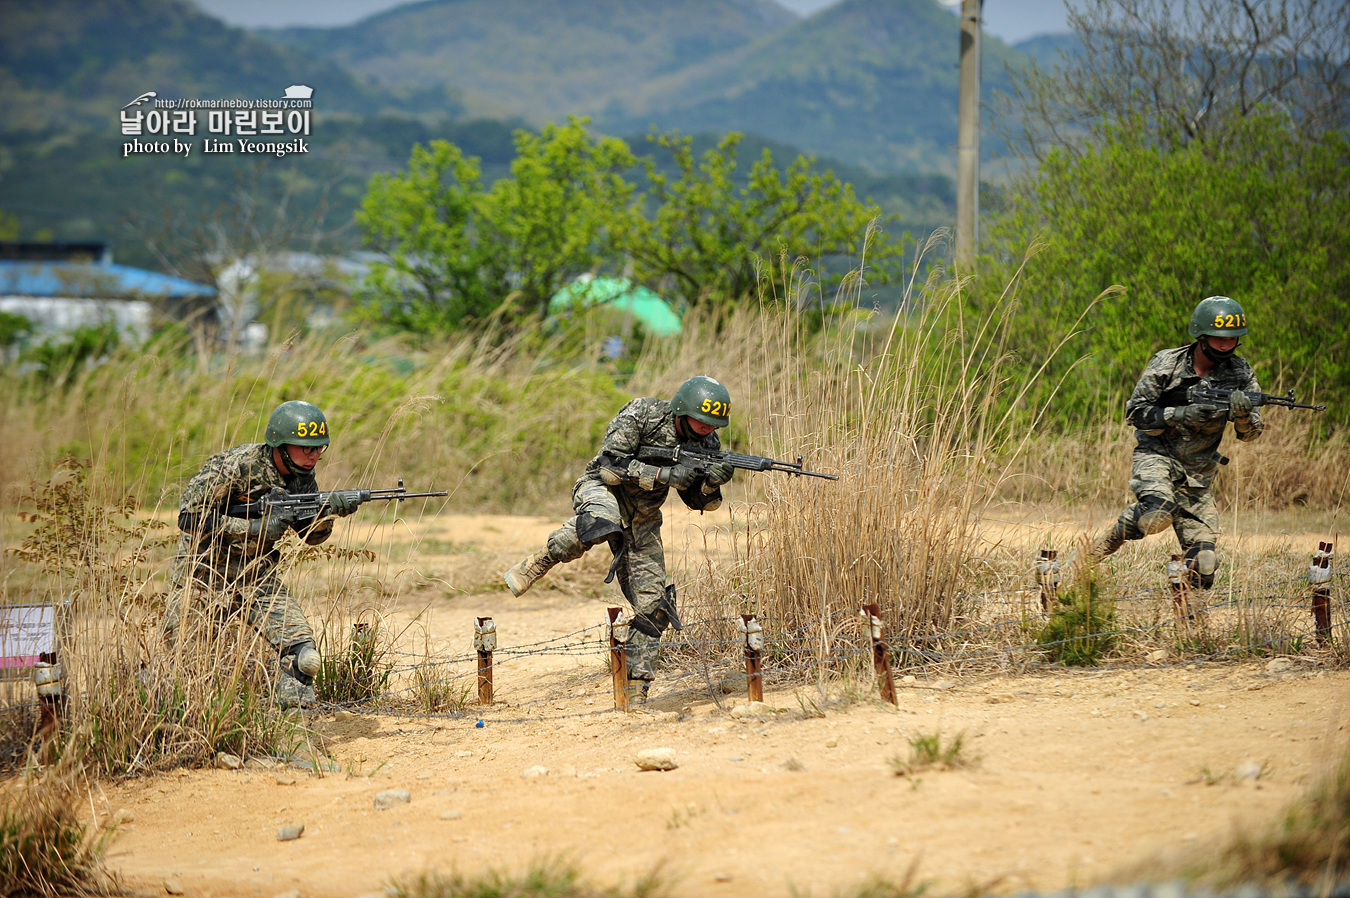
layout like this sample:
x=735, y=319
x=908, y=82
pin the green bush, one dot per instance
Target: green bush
x=1081, y=630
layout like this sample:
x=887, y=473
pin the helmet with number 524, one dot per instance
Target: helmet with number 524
x=1217, y=316
x=297, y=423
x=703, y=399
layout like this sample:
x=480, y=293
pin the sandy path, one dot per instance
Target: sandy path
x=1076, y=775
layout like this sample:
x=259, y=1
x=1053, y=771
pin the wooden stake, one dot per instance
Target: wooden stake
x=1319, y=575
x=485, y=641
x=618, y=660
x=754, y=657
x=881, y=656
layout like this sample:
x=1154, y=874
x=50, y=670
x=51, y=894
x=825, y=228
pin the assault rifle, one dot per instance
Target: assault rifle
x=702, y=459
x=1217, y=396
x=310, y=505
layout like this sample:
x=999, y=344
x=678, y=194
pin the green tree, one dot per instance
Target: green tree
x=454, y=252
x=558, y=213
x=709, y=233
x=436, y=275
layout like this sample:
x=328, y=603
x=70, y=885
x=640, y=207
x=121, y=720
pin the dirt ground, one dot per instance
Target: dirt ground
x=1072, y=778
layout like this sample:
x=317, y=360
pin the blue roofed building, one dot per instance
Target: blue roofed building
x=62, y=286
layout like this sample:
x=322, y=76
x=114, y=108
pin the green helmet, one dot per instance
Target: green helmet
x=703, y=399
x=297, y=423
x=1218, y=316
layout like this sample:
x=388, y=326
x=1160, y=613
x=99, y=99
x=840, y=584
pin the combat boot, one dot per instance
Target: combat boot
x=291, y=693
x=1108, y=542
x=522, y=576
x=637, y=691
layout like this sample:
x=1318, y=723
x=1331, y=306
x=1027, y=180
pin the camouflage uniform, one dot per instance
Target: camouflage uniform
x=628, y=518
x=1175, y=463
x=219, y=569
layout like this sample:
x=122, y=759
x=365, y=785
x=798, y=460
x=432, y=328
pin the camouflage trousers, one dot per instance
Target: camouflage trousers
x=263, y=600
x=1160, y=481
x=641, y=568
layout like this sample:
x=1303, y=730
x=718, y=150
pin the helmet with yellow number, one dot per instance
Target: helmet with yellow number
x=1218, y=316
x=297, y=423
x=703, y=399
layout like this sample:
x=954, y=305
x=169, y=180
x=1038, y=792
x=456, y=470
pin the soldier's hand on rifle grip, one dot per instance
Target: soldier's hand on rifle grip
x=344, y=502
x=1239, y=406
x=680, y=476
x=274, y=523
x=719, y=473
x=1191, y=415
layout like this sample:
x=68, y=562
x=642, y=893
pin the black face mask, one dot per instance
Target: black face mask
x=1213, y=354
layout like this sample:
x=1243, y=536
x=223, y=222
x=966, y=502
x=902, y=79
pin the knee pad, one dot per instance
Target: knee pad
x=592, y=530
x=1156, y=515
x=1202, y=561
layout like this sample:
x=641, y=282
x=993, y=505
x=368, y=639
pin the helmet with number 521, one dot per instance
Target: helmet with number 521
x=297, y=423
x=703, y=399
x=1217, y=316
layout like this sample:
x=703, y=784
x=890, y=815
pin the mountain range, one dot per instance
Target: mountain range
x=868, y=86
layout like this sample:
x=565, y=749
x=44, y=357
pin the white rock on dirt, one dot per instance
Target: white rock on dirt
x=656, y=759
x=451, y=815
x=227, y=761
x=1248, y=770
x=534, y=772
x=750, y=709
x=290, y=832
x=174, y=887
x=1278, y=665
x=390, y=798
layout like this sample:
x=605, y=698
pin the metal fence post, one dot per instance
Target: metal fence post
x=617, y=630
x=485, y=642
x=1047, y=576
x=1179, y=581
x=881, y=656
x=49, y=679
x=1319, y=575
x=753, y=633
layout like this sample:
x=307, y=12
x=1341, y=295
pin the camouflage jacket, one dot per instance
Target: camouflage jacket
x=214, y=546
x=649, y=422
x=1163, y=385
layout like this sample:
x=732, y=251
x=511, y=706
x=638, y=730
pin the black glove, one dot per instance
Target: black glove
x=344, y=502
x=680, y=476
x=720, y=473
x=1192, y=415
x=1239, y=406
x=272, y=526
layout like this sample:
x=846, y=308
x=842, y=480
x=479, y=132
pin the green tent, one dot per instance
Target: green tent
x=654, y=312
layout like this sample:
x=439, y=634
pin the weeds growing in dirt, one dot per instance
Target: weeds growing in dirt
x=359, y=670
x=928, y=750
x=543, y=879
x=1080, y=632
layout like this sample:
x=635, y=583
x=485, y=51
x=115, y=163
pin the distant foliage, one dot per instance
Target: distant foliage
x=1262, y=217
x=456, y=254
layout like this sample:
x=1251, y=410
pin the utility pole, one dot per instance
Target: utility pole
x=968, y=136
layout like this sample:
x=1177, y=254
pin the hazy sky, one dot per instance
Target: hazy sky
x=1011, y=20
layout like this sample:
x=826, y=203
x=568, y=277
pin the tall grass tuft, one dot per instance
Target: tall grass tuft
x=542, y=879
x=138, y=702
x=913, y=416
x=45, y=849
x=1081, y=630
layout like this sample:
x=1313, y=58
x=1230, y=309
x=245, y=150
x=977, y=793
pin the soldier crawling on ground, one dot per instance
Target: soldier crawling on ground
x=1178, y=441
x=618, y=501
x=227, y=564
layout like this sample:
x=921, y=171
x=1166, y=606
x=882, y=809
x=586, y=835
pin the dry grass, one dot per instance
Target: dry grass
x=45, y=849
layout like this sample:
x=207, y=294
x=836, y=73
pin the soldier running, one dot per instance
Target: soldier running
x=618, y=501
x=1177, y=453
x=227, y=564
